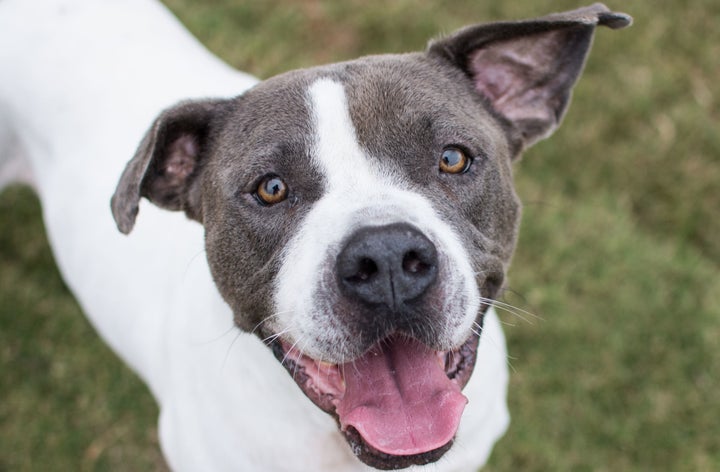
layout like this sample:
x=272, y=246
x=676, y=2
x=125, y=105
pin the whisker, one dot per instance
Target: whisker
x=512, y=309
x=270, y=339
x=495, y=345
x=216, y=338
x=191, y=262
x=227, y=352
x=522, y=298
x=516, y=308
x=290, y=350
x=301, y=351
x=268, y=318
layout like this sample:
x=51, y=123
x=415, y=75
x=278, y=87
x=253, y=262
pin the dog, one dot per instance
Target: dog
x=356, y=224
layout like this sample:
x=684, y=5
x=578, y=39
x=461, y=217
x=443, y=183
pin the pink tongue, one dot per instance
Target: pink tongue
x=400, y=400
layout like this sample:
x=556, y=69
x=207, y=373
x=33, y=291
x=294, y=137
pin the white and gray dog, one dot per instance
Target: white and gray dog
x=357, y=221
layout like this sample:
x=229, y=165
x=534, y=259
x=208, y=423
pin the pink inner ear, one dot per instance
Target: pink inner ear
x=181, y=158
x=521, y=77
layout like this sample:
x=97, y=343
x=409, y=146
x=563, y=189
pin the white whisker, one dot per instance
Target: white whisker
x=287, y=353
x=513, y=310
x=496, y=346
x=216, y=338
x=227, y=352
x=268, y=318
x=270, y=339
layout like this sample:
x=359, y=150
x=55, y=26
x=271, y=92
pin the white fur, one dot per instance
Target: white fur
x=80, y=82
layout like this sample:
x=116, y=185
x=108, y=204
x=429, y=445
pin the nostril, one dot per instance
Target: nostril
x=366, y=268
x=413, y=263
x=386, y=265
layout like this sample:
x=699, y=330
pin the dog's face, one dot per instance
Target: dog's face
x=360, y=217
x=380, y=217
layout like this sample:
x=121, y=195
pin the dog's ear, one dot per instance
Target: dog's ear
x=167, y=163
x=526, y=69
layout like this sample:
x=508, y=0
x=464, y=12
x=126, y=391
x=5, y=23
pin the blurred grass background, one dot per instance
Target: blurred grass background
x=619, y=253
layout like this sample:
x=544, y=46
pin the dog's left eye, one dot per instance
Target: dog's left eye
x=454, y=161
x=271, y=190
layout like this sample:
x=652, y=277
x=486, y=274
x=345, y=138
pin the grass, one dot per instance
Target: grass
x=619, y=252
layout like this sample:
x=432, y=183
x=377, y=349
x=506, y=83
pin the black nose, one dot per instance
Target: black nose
x=387, y=265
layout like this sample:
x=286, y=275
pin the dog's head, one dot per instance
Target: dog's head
x=360, y=216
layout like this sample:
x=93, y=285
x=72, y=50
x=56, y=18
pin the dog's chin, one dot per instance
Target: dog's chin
x=397, y=405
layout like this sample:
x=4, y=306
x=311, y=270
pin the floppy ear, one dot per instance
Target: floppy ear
x=167, y=163
x=526, y=69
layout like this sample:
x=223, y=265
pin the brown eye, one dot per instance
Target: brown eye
x=271, y=190
x=454, y=161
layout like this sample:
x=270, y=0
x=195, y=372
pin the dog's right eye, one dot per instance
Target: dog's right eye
x=271, y=190
x=454, y=161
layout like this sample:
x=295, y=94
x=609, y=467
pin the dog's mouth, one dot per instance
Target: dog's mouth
x=398, y=405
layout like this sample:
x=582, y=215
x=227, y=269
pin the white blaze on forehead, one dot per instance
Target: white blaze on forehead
x=357, y=191
x=337, y=151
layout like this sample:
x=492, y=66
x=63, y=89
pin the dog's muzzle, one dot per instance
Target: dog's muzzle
x=399, y=402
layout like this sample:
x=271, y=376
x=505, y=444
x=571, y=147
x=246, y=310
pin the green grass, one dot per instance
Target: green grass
x=619, y=252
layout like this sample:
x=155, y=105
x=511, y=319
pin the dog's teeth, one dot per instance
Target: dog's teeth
x=441, y=358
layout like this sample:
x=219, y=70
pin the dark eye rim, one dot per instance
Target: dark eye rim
x=262, y=181
x=464, y=151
